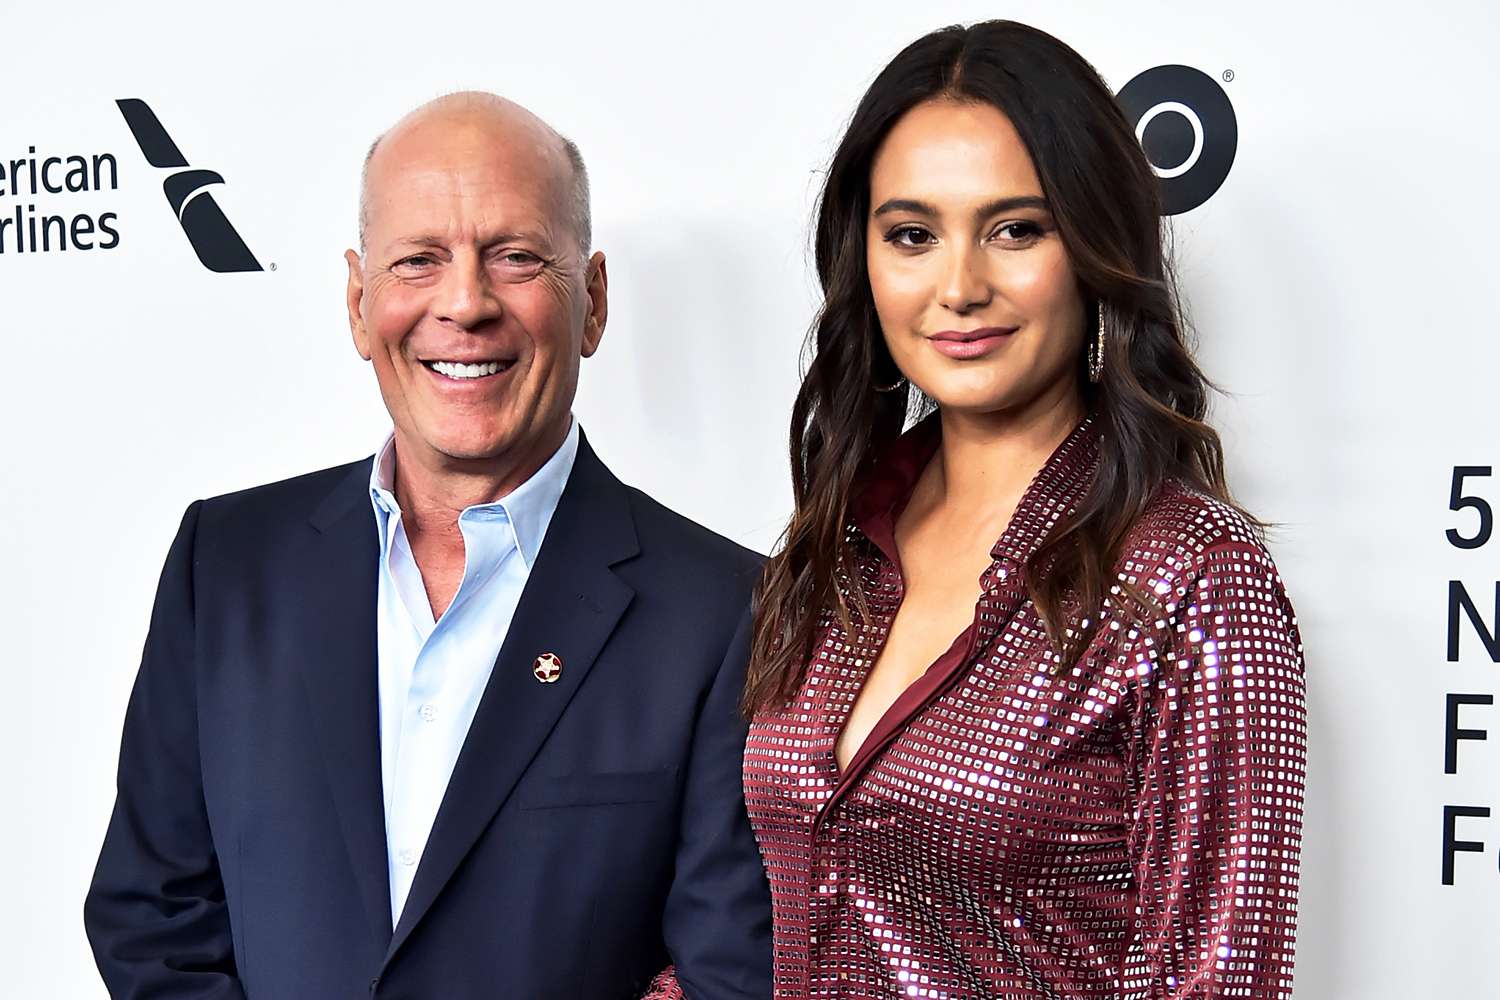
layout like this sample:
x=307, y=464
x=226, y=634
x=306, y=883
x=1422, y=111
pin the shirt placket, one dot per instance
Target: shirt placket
x=829, y=840
x=435, y=700
x=418, y=760
x=833, y=844
x=414, y=752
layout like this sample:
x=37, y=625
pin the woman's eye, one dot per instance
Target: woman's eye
x=1017, y=232
x=910, y=236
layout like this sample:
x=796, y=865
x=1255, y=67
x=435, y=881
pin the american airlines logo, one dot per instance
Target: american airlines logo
x=213, y=237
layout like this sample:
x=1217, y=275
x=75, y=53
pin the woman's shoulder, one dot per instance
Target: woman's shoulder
x=1200, y=563
x=1183, y=529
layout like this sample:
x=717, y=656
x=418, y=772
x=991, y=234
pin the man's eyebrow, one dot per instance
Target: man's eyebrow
x=995, y=207
x=518, y=236
x=419, y=241
x=433, y=239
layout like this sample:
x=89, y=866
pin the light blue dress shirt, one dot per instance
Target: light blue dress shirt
x=432, y=674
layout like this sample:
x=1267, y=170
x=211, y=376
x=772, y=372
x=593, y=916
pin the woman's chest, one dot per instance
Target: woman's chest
x=995, y=751
x=931, y=615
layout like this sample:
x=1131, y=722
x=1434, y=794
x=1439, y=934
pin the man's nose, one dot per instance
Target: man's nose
x=965, y=286
x=467, y=296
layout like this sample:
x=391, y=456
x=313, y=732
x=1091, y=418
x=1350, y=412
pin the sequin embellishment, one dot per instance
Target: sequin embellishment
x=1127, y=827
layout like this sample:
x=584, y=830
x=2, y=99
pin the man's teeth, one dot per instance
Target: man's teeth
x=454, y=370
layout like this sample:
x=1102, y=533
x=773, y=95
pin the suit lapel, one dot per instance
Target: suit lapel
x=570, y=606
x=336, y=629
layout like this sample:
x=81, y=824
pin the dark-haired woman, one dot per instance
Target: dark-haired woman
x=1027, y=692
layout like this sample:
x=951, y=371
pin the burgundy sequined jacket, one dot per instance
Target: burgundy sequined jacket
x=1123, y=826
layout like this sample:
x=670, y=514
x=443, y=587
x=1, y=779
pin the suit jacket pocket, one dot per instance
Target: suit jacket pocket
x=596, y=789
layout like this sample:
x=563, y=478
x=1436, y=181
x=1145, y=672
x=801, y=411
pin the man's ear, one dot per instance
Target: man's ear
x=355, y=294
x=598, y=293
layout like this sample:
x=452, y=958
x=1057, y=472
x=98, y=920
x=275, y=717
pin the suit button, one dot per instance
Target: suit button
x=374, y=984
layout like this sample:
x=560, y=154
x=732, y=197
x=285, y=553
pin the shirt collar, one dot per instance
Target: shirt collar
x=886, y=487
x=529, y=507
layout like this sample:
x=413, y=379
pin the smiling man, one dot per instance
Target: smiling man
x=459, y=720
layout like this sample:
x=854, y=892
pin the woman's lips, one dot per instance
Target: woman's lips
x=966, y=344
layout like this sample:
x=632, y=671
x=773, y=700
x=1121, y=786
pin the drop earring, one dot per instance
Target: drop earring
x=1096, y=349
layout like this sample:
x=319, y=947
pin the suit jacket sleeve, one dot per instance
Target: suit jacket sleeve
x=717, y=923
x=155, y=914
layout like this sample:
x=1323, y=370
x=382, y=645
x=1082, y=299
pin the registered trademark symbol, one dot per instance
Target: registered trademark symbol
x=273, y=266
x=1229, y=76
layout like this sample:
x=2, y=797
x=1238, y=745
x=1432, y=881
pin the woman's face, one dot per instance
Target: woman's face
x=976, y=297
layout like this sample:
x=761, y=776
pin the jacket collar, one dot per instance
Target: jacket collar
x=570, y=606
x=528, y=508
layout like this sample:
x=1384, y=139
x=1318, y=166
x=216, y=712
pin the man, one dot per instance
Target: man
x=461, y=721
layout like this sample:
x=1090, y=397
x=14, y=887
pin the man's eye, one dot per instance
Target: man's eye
x=520, y=258
x=415, y=260
x=910, y=236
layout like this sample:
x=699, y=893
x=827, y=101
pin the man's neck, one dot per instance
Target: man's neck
x=433, y=489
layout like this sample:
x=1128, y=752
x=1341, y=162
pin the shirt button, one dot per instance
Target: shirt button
x=428, y=712
x=406, y=856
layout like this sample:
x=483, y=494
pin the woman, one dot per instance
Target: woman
x=1067, y=762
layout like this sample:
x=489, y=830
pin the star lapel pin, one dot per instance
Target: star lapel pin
x=547, y=668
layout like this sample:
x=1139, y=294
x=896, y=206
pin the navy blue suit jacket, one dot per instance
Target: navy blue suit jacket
x=593, y=830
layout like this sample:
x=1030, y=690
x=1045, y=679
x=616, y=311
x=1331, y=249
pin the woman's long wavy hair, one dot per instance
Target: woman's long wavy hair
x=1149, y=405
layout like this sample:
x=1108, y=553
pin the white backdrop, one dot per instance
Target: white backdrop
x=1341, y=281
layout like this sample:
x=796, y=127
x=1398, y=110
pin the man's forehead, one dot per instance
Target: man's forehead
x=470, y=131
x=443, y=200
x=478, y=152
x=462, y=178
x=475, y=179
x=463, y=150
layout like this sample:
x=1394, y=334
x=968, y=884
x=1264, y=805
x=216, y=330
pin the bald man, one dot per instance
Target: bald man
x=458, y=720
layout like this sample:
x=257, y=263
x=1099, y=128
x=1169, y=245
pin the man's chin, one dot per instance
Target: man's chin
x=475, y=451
x=462, y=442
x=465, y=446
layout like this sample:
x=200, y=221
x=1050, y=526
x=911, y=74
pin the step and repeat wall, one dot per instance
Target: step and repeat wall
x=178, y=188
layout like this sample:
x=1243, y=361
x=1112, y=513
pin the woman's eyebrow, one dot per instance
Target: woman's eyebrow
x=904, y=205
x=917, y=207
x=1002, y=205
